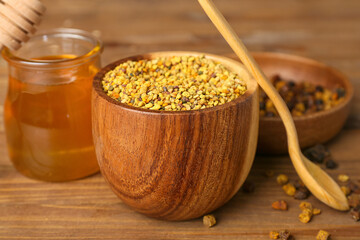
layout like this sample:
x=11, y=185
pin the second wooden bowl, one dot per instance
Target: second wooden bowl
x=175, y=165
x=312, y=129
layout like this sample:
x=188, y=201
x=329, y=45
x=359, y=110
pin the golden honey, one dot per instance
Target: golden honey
x=48, y=117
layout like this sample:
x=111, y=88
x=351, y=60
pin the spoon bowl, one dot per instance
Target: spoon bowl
x=323, y=186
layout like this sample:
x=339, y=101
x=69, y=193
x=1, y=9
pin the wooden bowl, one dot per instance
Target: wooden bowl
x=312, y=129
x=175, y=165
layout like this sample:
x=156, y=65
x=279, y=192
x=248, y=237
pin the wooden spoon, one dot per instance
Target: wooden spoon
x=316, y=180
x=17, y=21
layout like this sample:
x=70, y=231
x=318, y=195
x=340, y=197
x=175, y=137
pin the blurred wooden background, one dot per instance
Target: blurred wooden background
x=325, y=30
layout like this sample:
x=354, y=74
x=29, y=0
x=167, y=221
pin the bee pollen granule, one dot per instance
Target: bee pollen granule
x=173, y=83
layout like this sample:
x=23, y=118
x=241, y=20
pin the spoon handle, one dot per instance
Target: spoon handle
x=241, y=51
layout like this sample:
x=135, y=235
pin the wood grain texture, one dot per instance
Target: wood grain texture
x=13, y=30
x=317, y=128
x=176, y=165
x=88, y=209
x=17, y=19
x=325, y=30
x=24, y=10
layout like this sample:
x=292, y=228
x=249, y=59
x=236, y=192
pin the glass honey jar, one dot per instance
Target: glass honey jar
x=47, y=110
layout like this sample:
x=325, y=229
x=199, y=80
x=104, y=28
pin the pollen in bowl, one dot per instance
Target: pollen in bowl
x=48, y=126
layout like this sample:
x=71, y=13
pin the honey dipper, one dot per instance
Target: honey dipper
x=18, y=19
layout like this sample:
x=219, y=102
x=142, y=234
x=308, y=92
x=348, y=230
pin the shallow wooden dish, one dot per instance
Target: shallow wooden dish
x=312, y=129
x=175, y=165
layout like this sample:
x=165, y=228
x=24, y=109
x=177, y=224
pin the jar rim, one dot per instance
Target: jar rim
x=10, y=56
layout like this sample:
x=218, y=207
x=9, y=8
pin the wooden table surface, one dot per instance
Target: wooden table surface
x=326, y=30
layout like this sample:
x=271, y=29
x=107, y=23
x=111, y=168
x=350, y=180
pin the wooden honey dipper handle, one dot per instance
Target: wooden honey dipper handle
x=18, y=19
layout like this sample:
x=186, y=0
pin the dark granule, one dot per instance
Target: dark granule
x=302, y=98
x=355, y=213
x=285, y=235
x=269, y=173
x=302, y=193
x=298, y=184
x=354, y=187
x=330, y=164
x=354, y=200
x=248, y=187
x=317, y=154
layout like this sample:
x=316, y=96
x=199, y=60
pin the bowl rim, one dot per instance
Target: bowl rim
x=304, y=60
x=252, y=86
